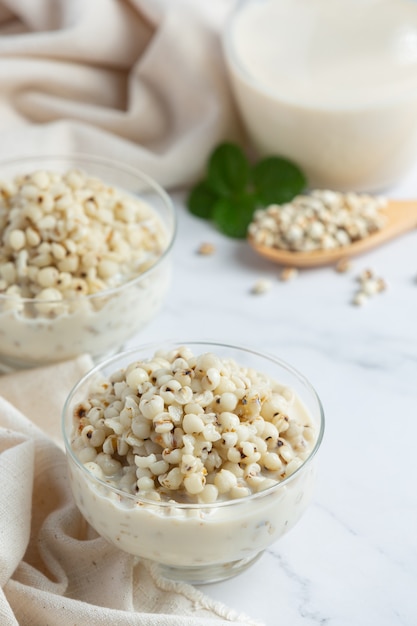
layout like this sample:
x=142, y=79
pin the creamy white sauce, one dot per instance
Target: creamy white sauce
x=329, y=52
x=200, y=536
x=331, y=84
x=95, y=326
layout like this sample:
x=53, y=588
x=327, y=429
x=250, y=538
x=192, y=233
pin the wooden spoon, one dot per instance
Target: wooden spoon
x=401, y=216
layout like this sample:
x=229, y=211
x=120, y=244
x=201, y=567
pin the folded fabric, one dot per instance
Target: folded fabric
x=140, y=82
x=54, y=568
x=39, y=399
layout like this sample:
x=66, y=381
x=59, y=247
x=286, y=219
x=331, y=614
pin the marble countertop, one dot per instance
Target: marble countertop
x=352, y=559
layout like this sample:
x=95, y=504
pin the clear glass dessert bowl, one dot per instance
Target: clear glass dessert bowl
x=85, y=257
x=181, y=454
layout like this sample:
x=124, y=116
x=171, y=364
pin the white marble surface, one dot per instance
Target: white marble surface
x=352, y=559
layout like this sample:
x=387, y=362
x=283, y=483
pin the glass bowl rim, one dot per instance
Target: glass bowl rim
x=123, y=167
x=173, y=344
x=232, y=59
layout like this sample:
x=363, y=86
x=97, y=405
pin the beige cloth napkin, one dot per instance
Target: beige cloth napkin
x=54, y=569
x=140, y=81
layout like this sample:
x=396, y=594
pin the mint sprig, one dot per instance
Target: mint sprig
x=233, y=188
x=228, y=170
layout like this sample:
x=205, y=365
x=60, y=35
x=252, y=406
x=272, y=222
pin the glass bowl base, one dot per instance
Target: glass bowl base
x=204, y=574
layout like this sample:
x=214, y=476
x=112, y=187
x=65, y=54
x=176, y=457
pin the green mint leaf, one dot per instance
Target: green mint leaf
x=233, y=189
x=232, y=216
x=228, y=170
x=201, y=200
x=277, y=180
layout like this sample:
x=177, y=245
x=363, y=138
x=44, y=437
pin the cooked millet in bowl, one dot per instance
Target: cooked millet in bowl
x=195, y=455
x=85, y=256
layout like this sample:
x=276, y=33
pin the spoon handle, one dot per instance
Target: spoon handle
x=401, y=217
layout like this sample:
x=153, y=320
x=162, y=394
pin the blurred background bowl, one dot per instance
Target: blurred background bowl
x=37, y=332
x=331, y=86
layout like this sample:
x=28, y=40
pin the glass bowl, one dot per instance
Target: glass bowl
x=196, y=543
x=36, y=332
x=339, y=99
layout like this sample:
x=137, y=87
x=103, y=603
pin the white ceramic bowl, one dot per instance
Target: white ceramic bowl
x=197, y=543
x=332, y=86
x=96, y=324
